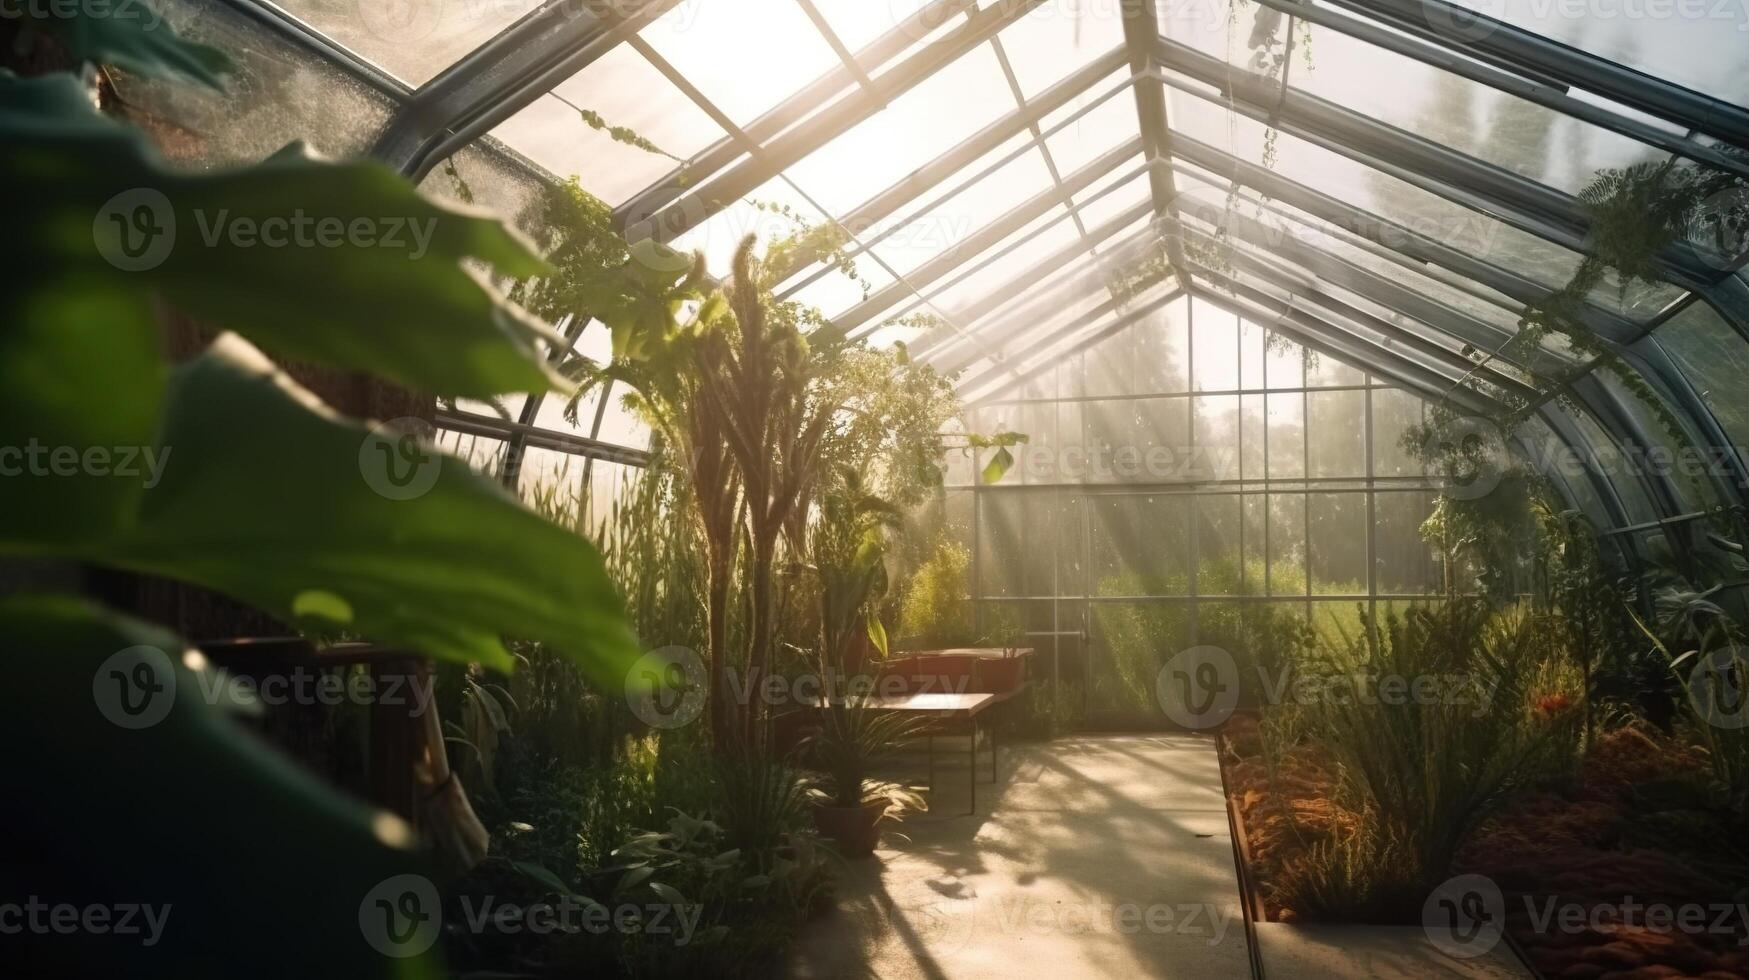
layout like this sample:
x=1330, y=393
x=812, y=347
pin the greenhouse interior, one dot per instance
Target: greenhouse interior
x=875, y=488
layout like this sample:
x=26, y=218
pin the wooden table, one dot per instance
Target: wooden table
x=947, y=708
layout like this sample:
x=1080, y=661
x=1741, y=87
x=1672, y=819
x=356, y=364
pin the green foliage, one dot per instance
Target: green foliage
x=413, y=314
x=1002, y=459
x=936, y=612
x=1717, y=640
x=1138, y=637
x=848, y=546
x=263, y=494
x=196, y=784
x=1425, y=771
x=853, y=737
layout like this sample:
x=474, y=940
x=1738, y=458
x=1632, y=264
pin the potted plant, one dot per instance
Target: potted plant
x=849, y=805
x=849, y=553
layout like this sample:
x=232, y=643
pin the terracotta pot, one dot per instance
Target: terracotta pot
x=855, y=829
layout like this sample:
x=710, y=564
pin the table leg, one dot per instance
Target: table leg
x=974, y=766
x=929, y=741
x=993, y=754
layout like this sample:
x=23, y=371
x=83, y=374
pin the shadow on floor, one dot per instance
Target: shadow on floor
x=1091, y=856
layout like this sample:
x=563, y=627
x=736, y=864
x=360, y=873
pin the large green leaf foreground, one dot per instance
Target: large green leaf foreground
x=266, y=495
x=343, y=264
x=251, y=866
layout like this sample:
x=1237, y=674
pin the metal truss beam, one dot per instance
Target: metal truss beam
x=1462, y=179
x=502, y=76
x=767, y=127
x=1515, y=49
x=975, y=314
x=1391, y=235
x=1141, y=29
x=984, y=238
x=1515, y=83
x=1318, y=333
x=698, y=205
x=927, y=177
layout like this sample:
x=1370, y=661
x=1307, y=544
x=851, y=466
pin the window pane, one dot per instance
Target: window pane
x=278, y=93
x=1337, y=533
x=411, y=41
x=718, y=48
x=1287, y=544
x=1336, y=430
x=1287, y=431
x=1393, y=412
x=624, y=90
x=1404, y=560
x=1716, y=361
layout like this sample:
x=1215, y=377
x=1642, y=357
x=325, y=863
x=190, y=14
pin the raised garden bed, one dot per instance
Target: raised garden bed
x=1624, y=834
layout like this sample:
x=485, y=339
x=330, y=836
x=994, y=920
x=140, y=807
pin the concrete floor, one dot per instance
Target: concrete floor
x=1098, y=856
x=1305, y=952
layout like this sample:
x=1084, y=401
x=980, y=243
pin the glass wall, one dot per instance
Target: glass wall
x=1191, y=479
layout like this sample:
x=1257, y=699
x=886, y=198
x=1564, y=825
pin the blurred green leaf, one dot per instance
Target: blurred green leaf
x=262, y=866
x=268, y=497
x=340, y=264
x=998, y=465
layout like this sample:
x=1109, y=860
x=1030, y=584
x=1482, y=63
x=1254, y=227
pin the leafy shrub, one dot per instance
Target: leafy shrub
x=937, y=607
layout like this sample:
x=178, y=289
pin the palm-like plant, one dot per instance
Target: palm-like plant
x=854, y=736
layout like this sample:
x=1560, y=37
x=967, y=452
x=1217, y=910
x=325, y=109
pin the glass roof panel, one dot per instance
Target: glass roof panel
x=833, y=293
x=1507, y=131
x=773, y=211
x=1054, y=230
x=1419, y=210
x=1212, y=28
x=1054, y=39
x=1033, y=316
x=1106, y=199
x=858, y=22
x=411, y=41
x=745, y=56
x=1102, y=127
x=1207, y=201
x=929, y=234
x=912, y=130
x=626, y=91
x=1715, y=359
x=1699, y=46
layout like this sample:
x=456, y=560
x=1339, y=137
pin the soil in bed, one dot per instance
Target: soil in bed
x=1628, y=837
